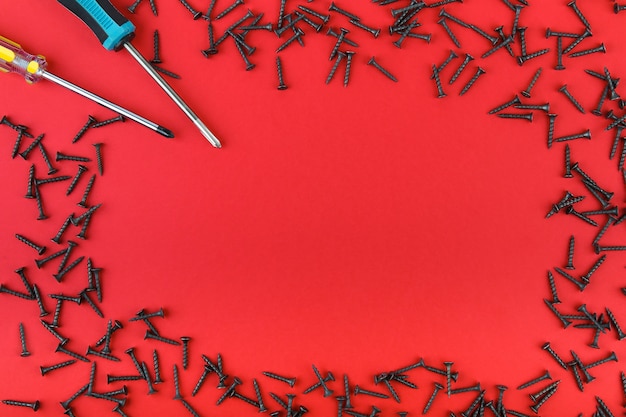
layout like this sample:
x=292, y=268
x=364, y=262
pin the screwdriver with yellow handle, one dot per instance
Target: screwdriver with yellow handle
x=115, y=32
x=33, y=68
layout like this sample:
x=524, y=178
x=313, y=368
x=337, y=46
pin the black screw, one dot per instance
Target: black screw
x=440, y=92
x=612, y=357
x=18, y=141
x=150, y=335
x=550, y=33
x=522, y=36
x=568, y=166
x=543, y=107
x=50, y=328
x=358, y=390
x=346, y=77
x=279, y=69
x=232, y=27
x=499, y=46
x=189, y=408
x=5, y=290
x=41, y=262
x=185, y=340
x=578, y=40
x=555, y=297
x=70, y=246
x=334, y=8
x=438, y=387
x=620, y=334
x=290, y=381
x=376, y=65
x=143, y=316
x=157, y=370
x=581, y=285
x=93, y=306
x=75, y=355
x=323, y=17
x=582, y=18
x=543, y=399
x=600, y=48
x=571, y=98
x=133, y=6
x=151, y=389
x=51, y=180
x=42, y=309
x=478, y=400
x=406, y=32
x=229, y=9
x=176, y=384
x=525, y=116
x=83, y=201
x=593, y=269
x=340, y=56
x=196, y=14
x=230, y=390
x=584, y=135
x=24, y=279
x=63, y=157
x=131, y=352
x=514, y=101
x=207, y=370
x=535, y=381
x=81, y=170
x=559, y=48
x=359, y=24
x=445, y=26
x=33, y=405
x=24, y=154
x=31, y=182
x=25, y=351
x=292, y=23
x=281, y=14
x=40, y=249
x=393, y=392
x=443, y=13
x=522, y=59
x=546, y=346
x=46, y=159
x=76, y=300
x=340, y=38
x=290, y=398
x=111, y=378
x=471, y=82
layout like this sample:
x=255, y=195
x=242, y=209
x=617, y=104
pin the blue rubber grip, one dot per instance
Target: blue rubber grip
x=106, y=22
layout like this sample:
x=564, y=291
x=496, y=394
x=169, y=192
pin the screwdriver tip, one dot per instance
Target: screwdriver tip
x=165, y=132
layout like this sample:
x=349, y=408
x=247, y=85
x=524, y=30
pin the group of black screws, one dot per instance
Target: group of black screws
x=403, y=26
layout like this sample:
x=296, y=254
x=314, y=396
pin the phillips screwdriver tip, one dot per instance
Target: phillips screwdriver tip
x=165, y=132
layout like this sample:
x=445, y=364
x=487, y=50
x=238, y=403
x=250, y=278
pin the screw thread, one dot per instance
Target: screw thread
x=600, y=48
x=229, y=9
x=189, y=408
x=440, y=92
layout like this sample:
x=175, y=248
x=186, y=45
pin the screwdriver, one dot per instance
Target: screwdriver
x=33, y=68
x=115, y=32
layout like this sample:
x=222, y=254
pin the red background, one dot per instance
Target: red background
x=355, y=228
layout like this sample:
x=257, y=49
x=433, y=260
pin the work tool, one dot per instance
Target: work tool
x=33, y=68
x=115, y=32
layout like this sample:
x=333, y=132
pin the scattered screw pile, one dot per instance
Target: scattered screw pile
x=293, y=27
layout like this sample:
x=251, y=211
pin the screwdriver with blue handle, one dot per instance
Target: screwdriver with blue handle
x=33, y=68
x=115, y=32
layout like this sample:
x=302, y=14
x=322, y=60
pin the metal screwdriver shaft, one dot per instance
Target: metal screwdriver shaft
x=173, y=95
x=106, y=103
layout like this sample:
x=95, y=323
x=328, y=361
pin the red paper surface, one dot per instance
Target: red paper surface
x=358, y=229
